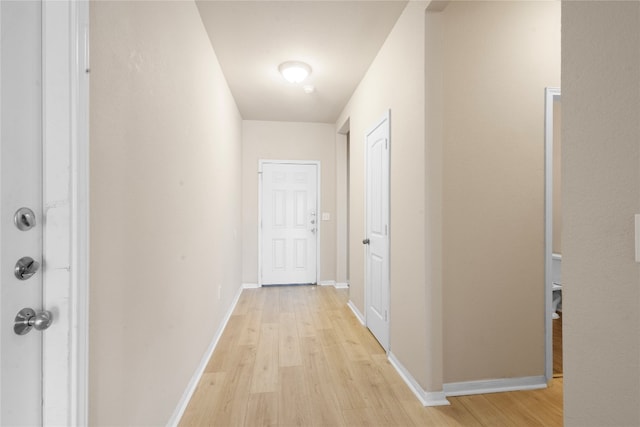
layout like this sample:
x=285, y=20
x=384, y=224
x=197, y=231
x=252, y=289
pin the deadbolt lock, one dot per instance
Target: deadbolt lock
x=26, y=267
x=24, y=219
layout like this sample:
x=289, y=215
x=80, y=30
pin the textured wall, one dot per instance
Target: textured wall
x=498, y=57
x=601, y=194
x=165, y=207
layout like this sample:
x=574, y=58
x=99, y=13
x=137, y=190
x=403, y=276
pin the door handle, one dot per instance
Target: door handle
x=365, y=242
x=27, y=318
x=26, y=267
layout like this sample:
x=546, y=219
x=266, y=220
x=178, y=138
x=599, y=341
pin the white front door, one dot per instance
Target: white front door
x=289, y=223
x=20, y=187
x=44, y=168
x=377, y=231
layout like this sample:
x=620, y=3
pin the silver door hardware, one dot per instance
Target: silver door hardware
x=27, y=318
x=24, y=219
x=365, y=242
x=313, y=221
x=26, y=267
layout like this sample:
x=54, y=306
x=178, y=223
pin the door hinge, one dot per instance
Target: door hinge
x=385, y=230
x=385, y=315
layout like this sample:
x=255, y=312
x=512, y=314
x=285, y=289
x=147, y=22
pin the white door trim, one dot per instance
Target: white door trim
x=66, y=206
x=262, y=162
x=550, y=94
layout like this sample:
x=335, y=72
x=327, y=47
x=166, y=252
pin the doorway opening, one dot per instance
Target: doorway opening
x=553, y=242
x=343, y=197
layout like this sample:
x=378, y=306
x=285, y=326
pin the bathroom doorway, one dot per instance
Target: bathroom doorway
x=553, y=232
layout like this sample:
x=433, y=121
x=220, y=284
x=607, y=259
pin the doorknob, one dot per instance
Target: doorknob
x=24, y=219
x=365, y=242
x=27, y=318
x=26, y=267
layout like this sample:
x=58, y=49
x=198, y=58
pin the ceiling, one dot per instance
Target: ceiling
x=338, y=39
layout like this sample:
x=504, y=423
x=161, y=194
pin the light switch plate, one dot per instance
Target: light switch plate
x=326, y=216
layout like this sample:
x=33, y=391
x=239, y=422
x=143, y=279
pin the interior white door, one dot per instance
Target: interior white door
x=377, y=231
x=20, y=187
x=289, y=223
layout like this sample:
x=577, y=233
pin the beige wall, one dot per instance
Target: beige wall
x=601, y=194
x=498, y=58
x=287, y=141
x=434, y=91
x=165, y=207
x=395, y=81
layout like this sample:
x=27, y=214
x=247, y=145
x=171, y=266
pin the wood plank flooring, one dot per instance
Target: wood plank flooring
x=297, y=356
x=557, y=347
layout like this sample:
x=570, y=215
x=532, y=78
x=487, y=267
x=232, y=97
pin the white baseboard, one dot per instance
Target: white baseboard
x=337, y=285
x=357, y=313
x=494, y=386
x=322, y=283
x=327, y=283
x=191, y=387
x=427, y=398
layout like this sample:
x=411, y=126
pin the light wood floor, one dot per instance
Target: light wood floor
x=298, y=356
x=557, y=347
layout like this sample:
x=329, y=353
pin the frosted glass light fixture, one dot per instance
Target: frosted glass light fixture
x=294, y=72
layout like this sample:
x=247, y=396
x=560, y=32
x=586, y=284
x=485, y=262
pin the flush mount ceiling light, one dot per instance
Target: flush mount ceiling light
x=294, y=72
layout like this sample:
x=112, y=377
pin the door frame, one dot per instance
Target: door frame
x=551, y=93
x=65, y=46
x=367, y=292
x=317, y=163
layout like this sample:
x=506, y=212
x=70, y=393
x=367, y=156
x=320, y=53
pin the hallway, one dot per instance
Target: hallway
x=298, y=356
